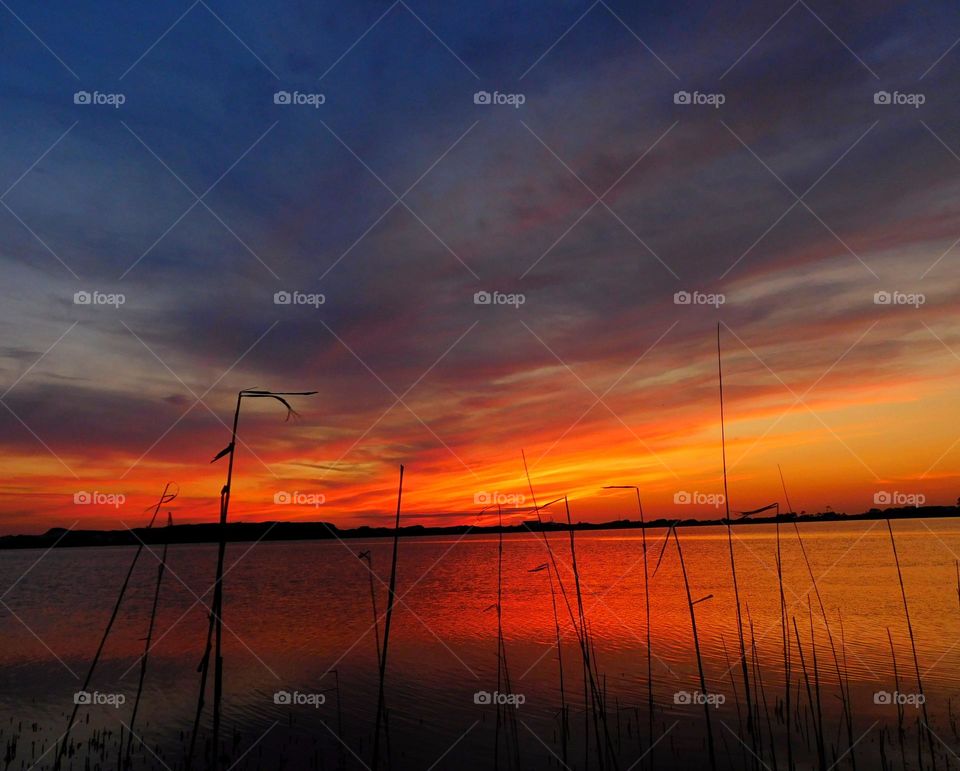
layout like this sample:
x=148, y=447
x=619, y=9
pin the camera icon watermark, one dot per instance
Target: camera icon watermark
x=513, y=100
x=484, y=498
x=515, y=700
x=298, y=699
x=96, y=698
x=696, y=498
x=898, y=98
x=114, y=299
x=716, y=299
x=883, y=297
x=484, y=297
x=715, y=700
x=897, y=498
x=313, y=299
x=96, y=498
x=914, y=700
x=99, y=98
x=296, y=498
x=298, y=98
x=700, y=98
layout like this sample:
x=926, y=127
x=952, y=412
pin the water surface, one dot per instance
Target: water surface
x=298, y=618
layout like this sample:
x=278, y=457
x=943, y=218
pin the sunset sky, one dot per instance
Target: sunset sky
x=797, y=199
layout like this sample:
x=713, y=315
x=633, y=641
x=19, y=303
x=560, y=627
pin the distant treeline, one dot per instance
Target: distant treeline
x=308, y=531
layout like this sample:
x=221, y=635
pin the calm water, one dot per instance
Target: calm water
x=298, y=618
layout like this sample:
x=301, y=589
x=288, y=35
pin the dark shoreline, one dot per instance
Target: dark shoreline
x=59, y=537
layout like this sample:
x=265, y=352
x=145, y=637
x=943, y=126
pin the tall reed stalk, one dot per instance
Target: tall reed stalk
x=901, y=732
x=604, y=742
x=818, y=731
x=788, y=717
x=165, y=497
x=847, y=706
x=733, y=565
x=391, y=598
x=736, y=699
x=913, y=648
x=646, y=600
x=816, y=687
x=216, y=615
x=592, y=696
x=505, y=715
x=203, y=668
x=368, y=557
x=696, y=645
x=758, y=679
x=161, y=568
x=564, y=723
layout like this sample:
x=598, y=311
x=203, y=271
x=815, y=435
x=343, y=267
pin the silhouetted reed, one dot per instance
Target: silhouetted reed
x=368, y=557
x=846, y=702
x=564, y=722
x=506, y=716
x=593, y=699
x=733, y=564
x=161, y=568
x=696, y=645
x=165, y=497
x=901, y=732
x=216, y=615
x=913, y=648
x=646, y=602
x=391, y=598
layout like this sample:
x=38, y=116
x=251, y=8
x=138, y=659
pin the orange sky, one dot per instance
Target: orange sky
x=867, y=426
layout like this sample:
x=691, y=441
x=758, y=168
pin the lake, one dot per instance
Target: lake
x=300, y=652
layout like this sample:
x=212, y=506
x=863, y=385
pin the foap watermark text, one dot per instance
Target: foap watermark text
x=297, y=498
x=484, y=297
x=313, y=299
x=513, y=100
x=696, y=498
x=113, y=299
x=716, y=299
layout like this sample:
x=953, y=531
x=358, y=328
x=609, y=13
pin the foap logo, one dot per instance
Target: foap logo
x=95, y=698
x=883, y=297
x=515, y=700
x=914, y=700
x=715, y=299
x=314, y=300
x=715, y=700
x=96, y=498
x=897, y=498
x=696, y=498
x=299, y=99
x=296, y=498
x=99, y=98
x=513, y=100
x=699, y=98
x=113, y=299
x=484, y=297
x=484, y=498
x=898, y=98
x=298, y=699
